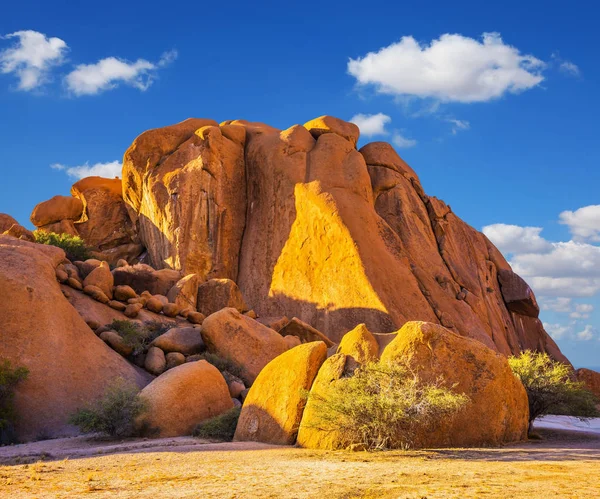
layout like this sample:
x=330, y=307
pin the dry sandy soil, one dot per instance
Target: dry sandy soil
x=563, y=464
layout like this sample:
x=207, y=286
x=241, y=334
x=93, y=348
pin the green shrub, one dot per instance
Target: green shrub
x=383, y=406
x=115, y=413
x=9, y=378
x=222, y=364
x=73, y=246
x=138, y=336
x=551, y=387
x=221, y=427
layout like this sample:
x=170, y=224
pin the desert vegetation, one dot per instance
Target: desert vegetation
x=551, y=387
x=221, y=427
x=138, y=336
x=73, y=246
x=114, y=415
x=383, y=406
x=10, y=377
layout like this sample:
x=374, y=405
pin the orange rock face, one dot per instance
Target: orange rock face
x=498, y=410
x=591, y=380
x=168, y=171
x=360, y=345
x=310, y=227
x=43, y=332
x=274, y=405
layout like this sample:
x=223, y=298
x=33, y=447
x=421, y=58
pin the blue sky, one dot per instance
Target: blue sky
x=517, y=151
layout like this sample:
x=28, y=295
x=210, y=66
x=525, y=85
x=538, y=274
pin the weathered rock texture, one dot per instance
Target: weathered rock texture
x=309, y=226
x=69, y=366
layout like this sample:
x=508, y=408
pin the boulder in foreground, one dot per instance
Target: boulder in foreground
x=273, y=407
x=183, y=397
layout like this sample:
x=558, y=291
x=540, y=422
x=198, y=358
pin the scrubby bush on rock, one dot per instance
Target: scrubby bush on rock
x=221, y=427
x=73, y=246
x=115, y=413
x=383, y=406
x=223, y=364
x=9, y=379
x=138, y=336
x=551, y=387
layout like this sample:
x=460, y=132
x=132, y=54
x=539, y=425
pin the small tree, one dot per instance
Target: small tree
x=115, y=413
x=383, y=406
x=551, y=387
x=9, y=378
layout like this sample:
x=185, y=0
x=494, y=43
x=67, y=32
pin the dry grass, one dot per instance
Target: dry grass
x=562, y=465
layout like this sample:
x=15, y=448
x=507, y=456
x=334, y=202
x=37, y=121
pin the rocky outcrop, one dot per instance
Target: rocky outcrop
x=497, y=411
x=274, y=405
x=95, y=211
x=69, y=366
x=310, y=227
x=186, y=189
x=359, y=345
x=183, y=397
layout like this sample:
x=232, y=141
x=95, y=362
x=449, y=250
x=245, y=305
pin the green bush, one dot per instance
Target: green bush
x=73, y=246
x=221, y=427
x=9, y=378
x=383, y=406
x=222, y=364
x=551, y=387
x=115, y=413
x=138, y=336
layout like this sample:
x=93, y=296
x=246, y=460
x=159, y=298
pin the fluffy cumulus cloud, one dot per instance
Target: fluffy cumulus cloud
x=371, y=124
x=570, y=68
x=452, y=68
x=557, y=331
x=31, y=57
x=583, y=223
x=516, y=239
x=109, y=73
x=108, y=170
x=587, y=333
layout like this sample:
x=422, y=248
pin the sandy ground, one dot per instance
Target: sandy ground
x=564, y=464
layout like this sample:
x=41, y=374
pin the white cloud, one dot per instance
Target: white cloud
x=32, y=57
x=560, y=304
x=106, y=74
x=458, y=125
x=557, y=331
x=586, y=334
x=108, y=170
x=582, y=311
x=400, y=141
x=567, y=259
x=583, y=223
x=517, y=239
x=557, y=286
x=569, y=68
x=371, y=124
x=452, y=68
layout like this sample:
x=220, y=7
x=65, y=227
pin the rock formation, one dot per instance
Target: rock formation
x=41, y=331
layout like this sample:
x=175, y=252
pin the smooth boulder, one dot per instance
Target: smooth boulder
x=273, y=407
x=242, y=340
x=182, y=397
